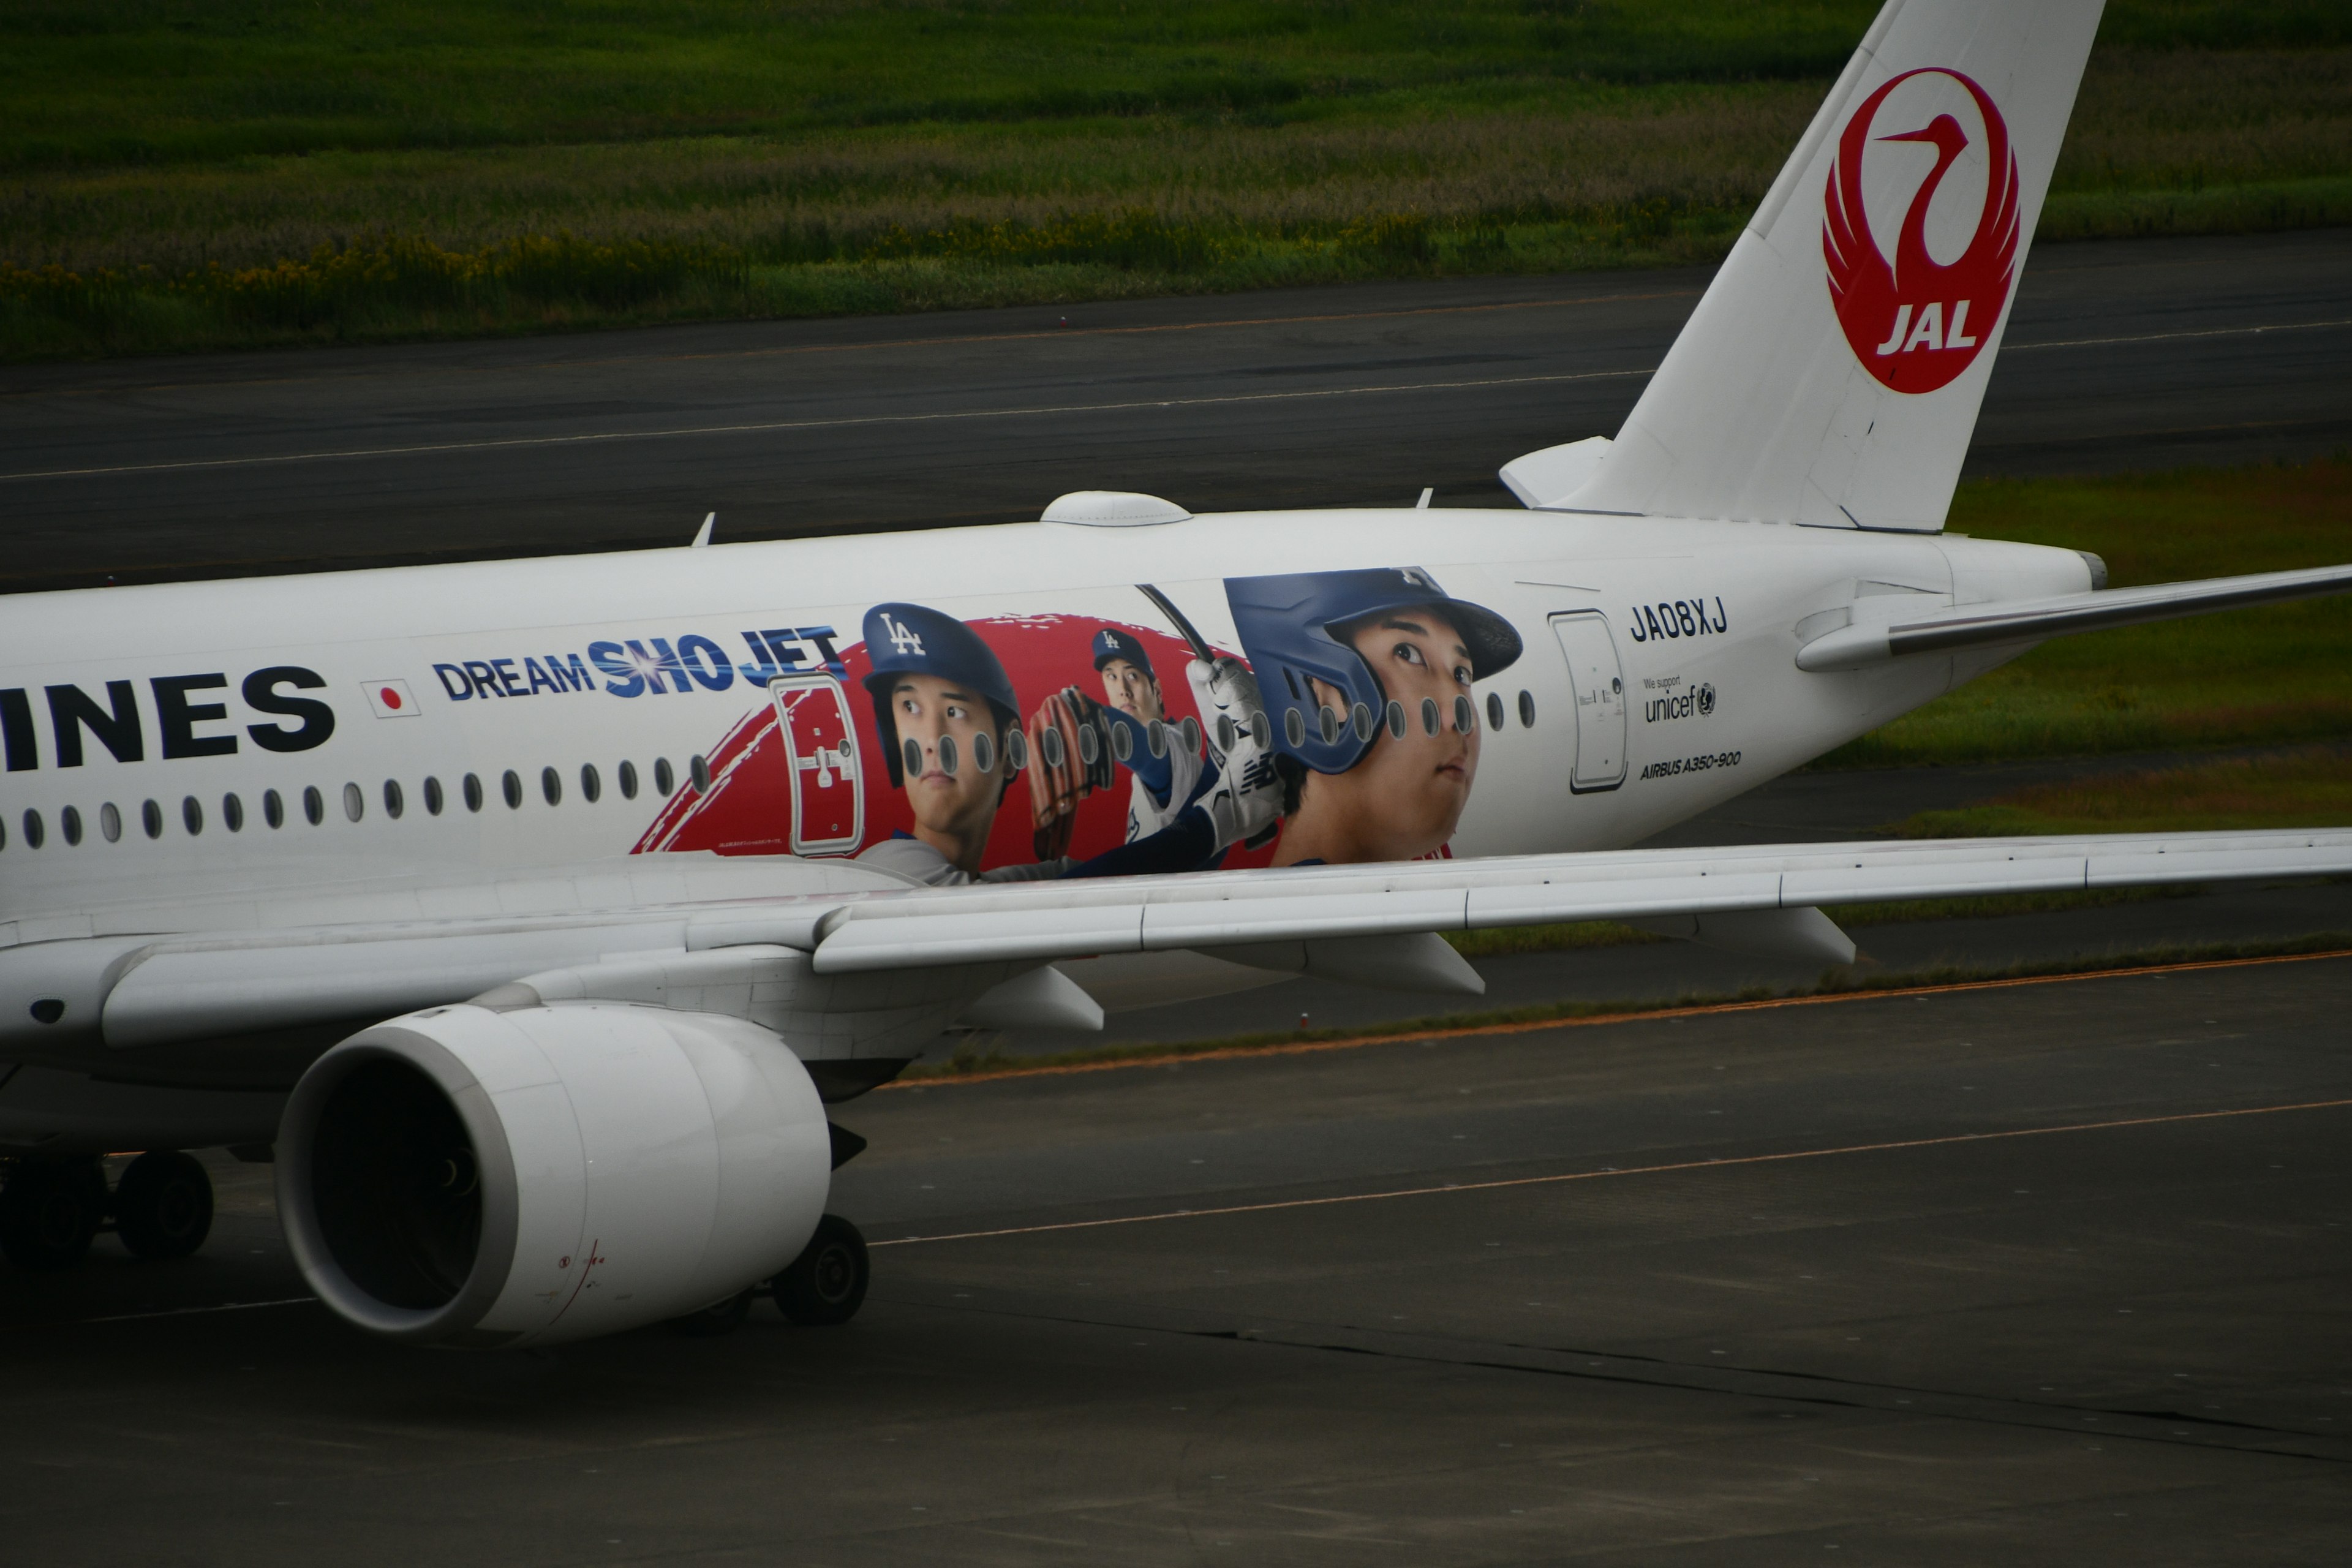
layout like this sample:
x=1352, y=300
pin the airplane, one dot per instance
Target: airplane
x=534, y=917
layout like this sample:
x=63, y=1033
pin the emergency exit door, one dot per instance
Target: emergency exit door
x=1598, y=682
x=828, y=789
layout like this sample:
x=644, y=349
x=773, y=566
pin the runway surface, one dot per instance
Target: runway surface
x=2119, y=356
x=2051, y=1273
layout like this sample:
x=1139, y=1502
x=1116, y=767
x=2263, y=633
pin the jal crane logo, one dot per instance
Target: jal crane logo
x=1916, y=324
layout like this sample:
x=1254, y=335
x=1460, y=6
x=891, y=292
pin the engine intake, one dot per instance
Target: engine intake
x=460, y=1176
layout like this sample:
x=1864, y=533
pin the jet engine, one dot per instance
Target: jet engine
x=460, y=1176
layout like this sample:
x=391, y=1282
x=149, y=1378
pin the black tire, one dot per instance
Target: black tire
x=163, y=1205
x=718, y=1318
x=49, y=1211
x=825, y=1285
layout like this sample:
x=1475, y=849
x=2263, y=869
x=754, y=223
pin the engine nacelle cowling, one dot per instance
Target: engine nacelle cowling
x=460, y=1176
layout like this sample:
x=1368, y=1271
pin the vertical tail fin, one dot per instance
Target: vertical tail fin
x=1833, y=374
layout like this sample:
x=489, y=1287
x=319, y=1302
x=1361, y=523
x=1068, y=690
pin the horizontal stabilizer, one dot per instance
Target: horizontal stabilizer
x=2032, y=620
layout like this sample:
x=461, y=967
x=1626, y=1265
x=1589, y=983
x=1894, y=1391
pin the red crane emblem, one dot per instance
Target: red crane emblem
x=1916, y=324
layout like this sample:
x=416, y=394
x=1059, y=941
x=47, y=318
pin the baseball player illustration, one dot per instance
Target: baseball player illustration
x=949, y=722
x=1375, y=734
x=942, y=707
x=1132, y=729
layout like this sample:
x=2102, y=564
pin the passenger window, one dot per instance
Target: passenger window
x=910, y=758
x=1016, y=750
x=314, y=805
x=33, y=832
x=109, y=823
x=151, y=817
x=592, y=788
x=70, y=824
x=511, y=787
x=1429, y=715
x=551, y=785
x=1466, y=714
x=1359, y=719
x=192, y=816
x=1527, y=709
x=947, y=761
x=273, y=809
x=664, y=780
x=984, y=751
x=395, y=800
x=1293, y=727
x=433, y=799
x=627, y=774
x=232, y=813
x=1396, y=720
x=354, y=802
x=1494, y=711
x=473, y=792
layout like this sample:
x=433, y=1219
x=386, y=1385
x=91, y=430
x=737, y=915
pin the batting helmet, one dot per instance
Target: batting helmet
x=1293, y=627
x=911, y=639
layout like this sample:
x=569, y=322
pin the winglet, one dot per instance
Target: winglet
x=702, y=534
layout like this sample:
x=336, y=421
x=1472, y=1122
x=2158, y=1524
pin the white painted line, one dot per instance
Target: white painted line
x=771, y=426
x=2177, y=337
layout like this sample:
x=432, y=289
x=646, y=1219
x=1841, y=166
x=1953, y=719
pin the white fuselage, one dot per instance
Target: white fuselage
x=1703, y=618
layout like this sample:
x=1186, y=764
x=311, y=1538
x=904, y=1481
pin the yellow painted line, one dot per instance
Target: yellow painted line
x=1592, y=1020
x=1736, y=1160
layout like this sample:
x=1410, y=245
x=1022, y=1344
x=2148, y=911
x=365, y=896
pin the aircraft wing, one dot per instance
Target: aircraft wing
x=2032, y=620
x=710, y=940
x=1031, y=922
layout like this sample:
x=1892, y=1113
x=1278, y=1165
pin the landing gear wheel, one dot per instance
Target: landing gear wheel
x=718, y=1318
x=49, y=1210
x=826, y=1283
x=163, y=1205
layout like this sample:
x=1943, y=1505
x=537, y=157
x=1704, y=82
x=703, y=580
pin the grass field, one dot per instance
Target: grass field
x=246, y=172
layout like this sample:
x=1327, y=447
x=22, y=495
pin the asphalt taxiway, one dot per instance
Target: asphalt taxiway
x=2043, y=1273
x=2121, y=356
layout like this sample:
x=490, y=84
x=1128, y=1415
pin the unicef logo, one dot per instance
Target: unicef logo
x=1705, y=700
